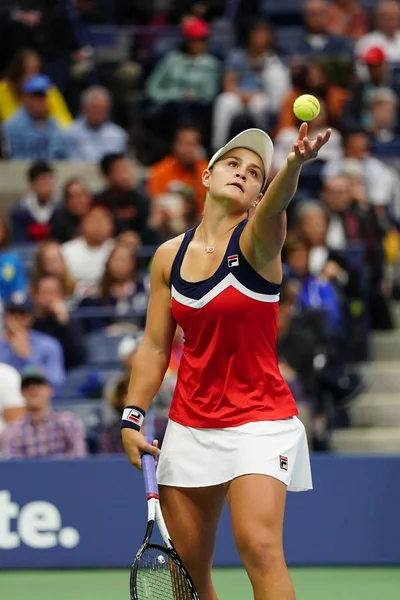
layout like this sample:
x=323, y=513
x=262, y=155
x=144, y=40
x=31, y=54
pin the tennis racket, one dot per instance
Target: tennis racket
x=157, y=572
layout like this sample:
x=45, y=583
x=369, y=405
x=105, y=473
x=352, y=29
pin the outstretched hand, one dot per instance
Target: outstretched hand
x=303, y=149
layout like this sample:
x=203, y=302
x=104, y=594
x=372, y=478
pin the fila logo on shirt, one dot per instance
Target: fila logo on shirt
x=283, y=461
x=233, y=260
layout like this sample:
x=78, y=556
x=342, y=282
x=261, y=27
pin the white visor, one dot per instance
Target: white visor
x=254, y=139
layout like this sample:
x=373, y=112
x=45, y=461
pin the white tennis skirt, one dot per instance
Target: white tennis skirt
x=192, y=457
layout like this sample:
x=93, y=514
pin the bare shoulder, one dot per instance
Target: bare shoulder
x=165, y=256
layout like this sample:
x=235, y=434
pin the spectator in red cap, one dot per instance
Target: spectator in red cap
x=374, y=56
x=194, y=28
x=387, y=31
x=357, y=112
x=185, y=82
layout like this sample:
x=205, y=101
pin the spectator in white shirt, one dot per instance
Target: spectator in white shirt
x=92, y=133
x=255, y=80
x=387, y=32
x=87, y=255
x=12, y=404
x=380, y=181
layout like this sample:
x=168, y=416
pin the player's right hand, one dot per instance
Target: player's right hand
x=135, y=445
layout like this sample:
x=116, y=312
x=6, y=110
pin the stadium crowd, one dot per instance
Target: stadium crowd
x=147, y=91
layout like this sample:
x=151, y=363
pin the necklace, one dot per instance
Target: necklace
x=210, y=249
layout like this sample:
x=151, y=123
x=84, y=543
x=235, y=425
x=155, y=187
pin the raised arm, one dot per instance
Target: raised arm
x=265, y=234
x=152, y=358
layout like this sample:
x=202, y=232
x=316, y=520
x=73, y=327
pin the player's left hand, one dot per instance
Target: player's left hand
x=303, y=149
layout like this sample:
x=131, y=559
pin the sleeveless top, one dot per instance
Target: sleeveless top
x=229, y=373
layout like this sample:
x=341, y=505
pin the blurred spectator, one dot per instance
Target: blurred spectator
x=116, y=390
x=336, y=199
x=119, y=288
x=348, y=18
x=32, y=217
x=51, y=317
x=76, y=204
x=175, y=213
x=380, y=181
x=385, y=129
x=317, y=292
x=357, y=112
x=295, y=256
x=21, y=347
x=255, y=81
x=317, y=39
x=353, y=220
x=384, y=115
x=387, y=32
x=309, y=78
x=181, y=170
x=93, y=135
x=12, y=274
x=26, y=64
x=43, y=432
x=87, y=255
x=312, y=223
x=31, y=133
x=49, y=260
x=185, y=82
x=303, y=350
x=115, y=393
x=113, y=406
x=12, y=404
x=60, y=33
x=284, y=139
x=129, y=203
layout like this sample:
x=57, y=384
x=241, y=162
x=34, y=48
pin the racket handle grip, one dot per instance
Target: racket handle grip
x=149, y=473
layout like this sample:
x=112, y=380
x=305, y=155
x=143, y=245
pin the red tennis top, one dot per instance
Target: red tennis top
x=229, y=373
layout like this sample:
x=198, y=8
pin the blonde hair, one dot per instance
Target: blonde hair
x=39, y=270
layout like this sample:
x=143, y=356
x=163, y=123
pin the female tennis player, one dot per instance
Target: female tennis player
x=233, y=433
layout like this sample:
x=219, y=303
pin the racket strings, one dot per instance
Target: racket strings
x=159, y=578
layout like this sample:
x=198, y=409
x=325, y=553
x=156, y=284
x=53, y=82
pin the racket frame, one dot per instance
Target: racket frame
x=154, y=514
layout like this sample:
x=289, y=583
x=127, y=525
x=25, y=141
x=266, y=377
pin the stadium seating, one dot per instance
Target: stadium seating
x=287, y=39
x=288, y=7
x=90, y=412
x=86, y=382
x=102, y=350
x=26, y=253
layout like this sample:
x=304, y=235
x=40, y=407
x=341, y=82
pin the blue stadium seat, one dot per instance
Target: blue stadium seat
x=101, y=349
x=111, y=43
x=396, y=69
x=163, y=44
x=369, y=3
x=387, y=152
x=288, y=39
x=221, y=39
x=90, y=412
x=86, y=382
x=273, y=8
x=107, y=8
x=103, y=36
x=27, y=254
x=311, y=176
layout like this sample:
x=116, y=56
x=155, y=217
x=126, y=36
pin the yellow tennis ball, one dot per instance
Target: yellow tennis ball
x=306, y=107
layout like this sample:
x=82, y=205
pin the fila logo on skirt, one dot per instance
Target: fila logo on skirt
x=283, y=463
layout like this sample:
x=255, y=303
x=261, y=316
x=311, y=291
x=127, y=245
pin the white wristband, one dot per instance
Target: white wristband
x=133, y=416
